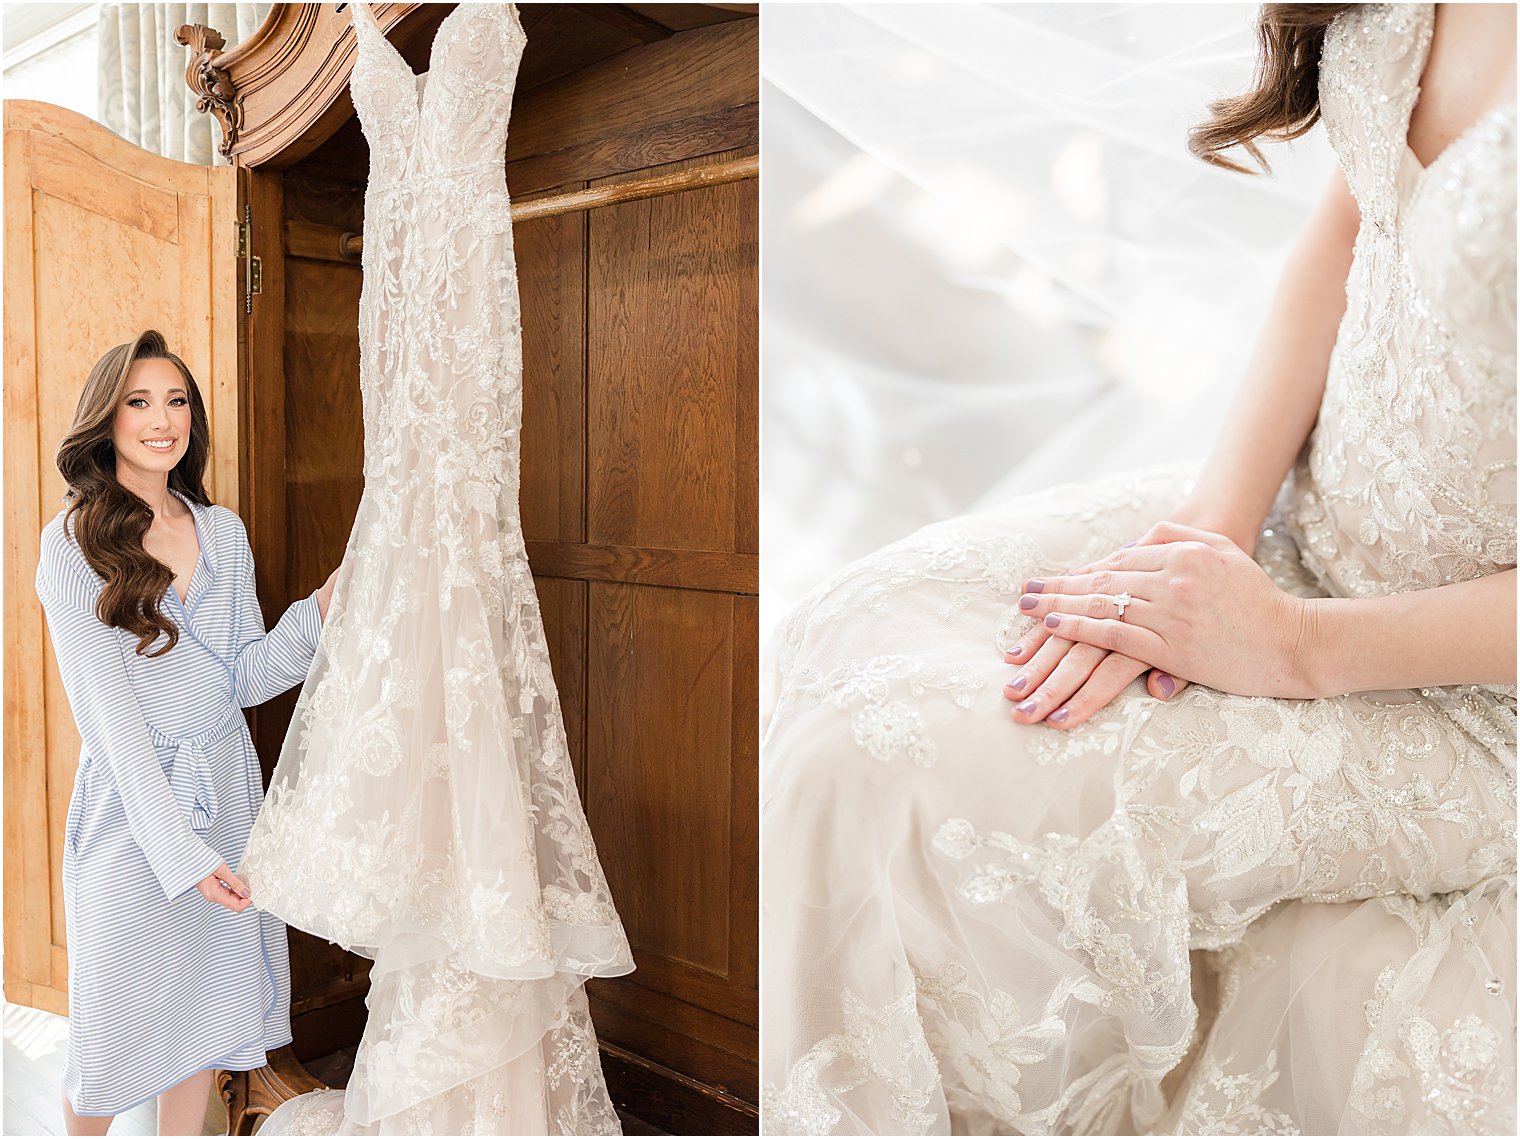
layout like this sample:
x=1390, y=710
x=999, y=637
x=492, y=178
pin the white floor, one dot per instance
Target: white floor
x=34, y=1052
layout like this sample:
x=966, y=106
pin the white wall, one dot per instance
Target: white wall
x=49, y=54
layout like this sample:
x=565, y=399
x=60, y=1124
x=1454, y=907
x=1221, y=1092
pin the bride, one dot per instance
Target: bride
x=1272, y=887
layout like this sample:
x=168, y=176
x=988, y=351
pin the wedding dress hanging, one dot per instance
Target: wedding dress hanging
x=1216, y=914
x=423, y=812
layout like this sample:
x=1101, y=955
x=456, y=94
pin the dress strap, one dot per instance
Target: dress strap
x=1369, y=81
x=516, y=18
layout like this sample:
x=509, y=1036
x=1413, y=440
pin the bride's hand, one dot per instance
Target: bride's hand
x=225, y=888
x=1065, y=682
x=1064, y=688
x=324, y=594
x=1200, y=607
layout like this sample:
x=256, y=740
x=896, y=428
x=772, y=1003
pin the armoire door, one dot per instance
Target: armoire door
x=103, y=240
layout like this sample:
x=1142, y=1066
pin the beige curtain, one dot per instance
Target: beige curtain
x=143, y=93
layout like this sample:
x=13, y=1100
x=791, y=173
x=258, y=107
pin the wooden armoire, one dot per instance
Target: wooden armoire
x=632, y=163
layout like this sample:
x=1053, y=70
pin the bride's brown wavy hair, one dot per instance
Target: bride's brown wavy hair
x=1284, y=102
x=111, y=519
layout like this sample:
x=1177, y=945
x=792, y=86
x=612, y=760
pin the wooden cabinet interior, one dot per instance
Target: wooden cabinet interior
x=631, y=161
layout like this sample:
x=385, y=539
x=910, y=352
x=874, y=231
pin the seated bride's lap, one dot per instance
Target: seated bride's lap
x=893, y=712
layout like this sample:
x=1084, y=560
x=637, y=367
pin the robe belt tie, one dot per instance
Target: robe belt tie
x=192, y=780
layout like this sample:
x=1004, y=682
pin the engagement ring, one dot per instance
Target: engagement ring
x=1121, y=601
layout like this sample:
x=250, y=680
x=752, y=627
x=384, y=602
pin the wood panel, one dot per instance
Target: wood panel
x=103, y=241
x=324, y=417
x=669, y=566
x=551, y=269
x=647, y=565
x=699, y=72
x=639, y=488
x=659, y=788
x=671, y=281
x=689, y=95
x=262, y=447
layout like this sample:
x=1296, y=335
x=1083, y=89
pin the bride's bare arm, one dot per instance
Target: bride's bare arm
x=1267, y=424
x=1471, y=65
x=1279, y=395
x=1205, y=610
x=1453, y=634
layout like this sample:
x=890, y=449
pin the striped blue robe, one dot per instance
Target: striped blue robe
x=162, y=982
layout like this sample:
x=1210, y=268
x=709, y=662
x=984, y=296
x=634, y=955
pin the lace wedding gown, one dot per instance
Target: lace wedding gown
x=1215, y=914
x=424, y=812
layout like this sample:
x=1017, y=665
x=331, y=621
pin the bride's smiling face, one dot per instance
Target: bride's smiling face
x=152, y=427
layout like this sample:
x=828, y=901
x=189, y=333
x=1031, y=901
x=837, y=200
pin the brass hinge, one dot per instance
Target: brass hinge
x=253, y=267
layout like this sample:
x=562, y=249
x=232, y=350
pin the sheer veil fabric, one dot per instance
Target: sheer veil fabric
x=423, y=812
x=1211, y=915
x=991, y=264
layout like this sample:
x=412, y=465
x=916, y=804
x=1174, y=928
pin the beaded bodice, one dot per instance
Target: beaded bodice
x=1408, y=480
x=440, y=331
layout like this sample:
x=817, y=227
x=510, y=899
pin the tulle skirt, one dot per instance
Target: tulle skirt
x=424, y=814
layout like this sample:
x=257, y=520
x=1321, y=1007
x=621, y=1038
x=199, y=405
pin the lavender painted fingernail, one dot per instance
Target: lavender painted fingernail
x=1027, y=707
x=1020, y=684
x=1053, y=620
x=1058, y=716
x=1035, y=585
x=1165, y=683
x=1028, y=602
x=1016, y=651
x=1127, y=545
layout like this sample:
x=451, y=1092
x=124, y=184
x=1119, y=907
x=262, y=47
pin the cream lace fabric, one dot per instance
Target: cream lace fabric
x=424, y=812
x=1212, y=915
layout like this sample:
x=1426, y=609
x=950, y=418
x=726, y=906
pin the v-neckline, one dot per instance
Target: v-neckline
x=1422, y=170
x=421, y=80
x=200, y=553
x=1409, y=195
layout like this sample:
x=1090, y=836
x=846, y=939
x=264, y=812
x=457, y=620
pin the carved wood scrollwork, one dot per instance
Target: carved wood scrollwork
x=249, y=1096
x=212, y=85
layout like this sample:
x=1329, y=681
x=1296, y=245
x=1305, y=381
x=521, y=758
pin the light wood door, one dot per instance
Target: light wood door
x=103, y=240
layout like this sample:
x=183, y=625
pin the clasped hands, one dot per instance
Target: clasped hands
x=1200, y=608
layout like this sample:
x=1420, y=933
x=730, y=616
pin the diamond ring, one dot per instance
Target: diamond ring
x=1121, y=601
